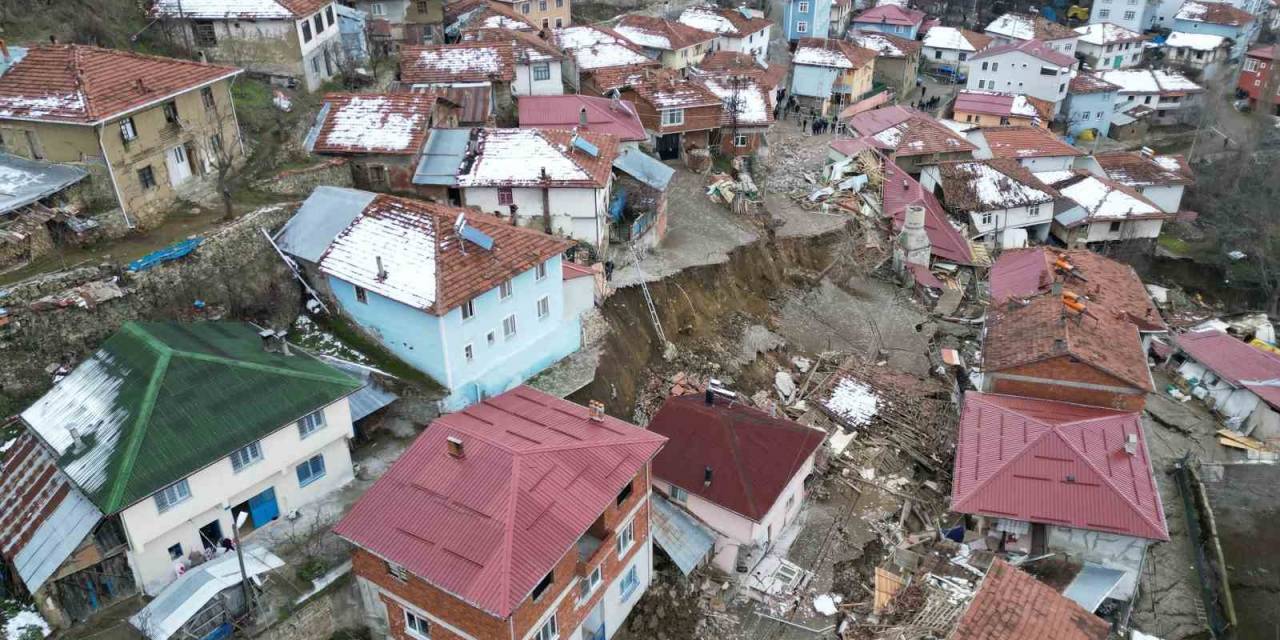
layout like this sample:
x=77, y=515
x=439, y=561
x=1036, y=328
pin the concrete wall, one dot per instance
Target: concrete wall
x=813, y=81
x=1129, y=230
x=687, y=57
x=525, y=85
x=756, y=44
x=577, y=212
x=1129, y=54
x=544, y=13
x=1111, y=550
x=1168, y=198
x=217, y=488
x=1017, y=72
x=274, y=47
x=1134, y=17
x=951, y=57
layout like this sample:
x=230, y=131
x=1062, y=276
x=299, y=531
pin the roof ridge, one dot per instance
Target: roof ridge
x=508, y=535
x=585, y=444
x=737, y=463
x=266, y=368
x=1106, y=479
x=143, y=419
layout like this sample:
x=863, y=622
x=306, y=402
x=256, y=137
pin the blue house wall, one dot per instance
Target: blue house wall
x=1100, y=107
x=812, y=80
x=902, y=31
x=437, y=345
x=816, y=15
x=1242, y=35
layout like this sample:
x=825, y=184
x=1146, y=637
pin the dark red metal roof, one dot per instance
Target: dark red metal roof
x=1236, y=362
x=615, y=117
x=752, y=455
x=535, y=473
x=900, y=190
x=890, y=14
x=1033, y=48
x=30, y=489
x=1055, y=463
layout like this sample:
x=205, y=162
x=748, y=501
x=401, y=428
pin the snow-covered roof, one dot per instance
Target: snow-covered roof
x=839, y=54
x=243, y=9
x=374, y=123
x=1104, y=199
x=1024, y=26
x=658, y=33
x=1148, y=81
x=595, y=47
x=461, y=62
x=1222, y=13
x=1104, y=33
x=518, y=157
x=644, y=37
x=733, y=23
x=884, y=45
x=1194, y=41
x=953, y=38
x=991, y=184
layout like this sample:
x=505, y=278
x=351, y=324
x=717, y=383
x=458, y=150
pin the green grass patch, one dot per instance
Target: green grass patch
x=378, y=356
x=1174, y=244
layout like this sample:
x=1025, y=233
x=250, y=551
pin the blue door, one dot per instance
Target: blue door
x=263, y=507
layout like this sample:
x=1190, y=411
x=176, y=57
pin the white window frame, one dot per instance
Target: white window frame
x=1033, y=210
x=590, y=583
x=669, y=119
x=740, y=140
x=376, y=9
x=986, y=218
x=468, y=309
x=469, y=352
x=409, y=629
x=633, y=575
x=128, y=131
x=510, y=328
x=802, y=7
x=504, y=290
x=540, y=271
x=180, y=492
x=548, y=630
x=397, y=571
x=313, y=476
x=544, y=307
x=678, y=495
x=246, y=456
x=802, y=26
x=626, y=537
x=541, y=70
x=309, y=424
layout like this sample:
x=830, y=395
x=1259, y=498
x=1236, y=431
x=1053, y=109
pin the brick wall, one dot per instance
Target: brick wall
x=1063, y=368
x=569, y=614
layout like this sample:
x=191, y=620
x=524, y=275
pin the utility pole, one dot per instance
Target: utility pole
x=244, y=575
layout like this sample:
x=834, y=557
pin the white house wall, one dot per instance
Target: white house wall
x=1129, y=230
x=1168, y=198
x=579, y=213
x=1018, y=72
x=1047, y=163
x=1111, y=550
x=217, y=488
x=525, y=85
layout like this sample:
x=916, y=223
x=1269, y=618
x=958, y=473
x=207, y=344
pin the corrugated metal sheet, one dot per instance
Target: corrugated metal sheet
x=442, y=157
x=69, y=524
x=1092, y=585
x=187, y=595
x=535, y=473
x=314, y=132
x=686, y=541
x=644, y=168
x=325, y=213
x=371, y=397
x=24, y=181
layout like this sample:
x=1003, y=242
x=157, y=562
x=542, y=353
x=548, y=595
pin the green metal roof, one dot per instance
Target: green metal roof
x=160, y=400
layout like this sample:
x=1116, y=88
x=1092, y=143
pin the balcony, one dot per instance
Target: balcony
x=592, y=547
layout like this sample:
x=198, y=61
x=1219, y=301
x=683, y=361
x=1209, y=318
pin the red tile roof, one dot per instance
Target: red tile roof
x=733, y=23
x=1234, y=361
x=1055, y=463
x=80, y=84
x=1222, y=13
x=752, y=455
x=459, y=273
x=666, y=89
x=360, y=123
x=1020, y=334
x=890, y=14
x=676, y=34
x=454, y=63
x=1026, y=142
x=915, y=132
x=1089, y=83
x=486, y=13
x=735, y=62
x=1136, y=170
x=527, y=47
x=831, y=53
x=1108, y=284
x=1012, y=605
x=901, y=190
x=614, y=117
x=495, y=149
x=230, y=10
x=536, y=473
x=884, y=44
x=1033, y=48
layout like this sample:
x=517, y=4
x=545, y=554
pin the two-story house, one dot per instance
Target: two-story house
x=1110, y=46
x=1198, y=53
x=741, y=29
x=806, y=19
x=1055, y=348
x=557, y=181
x=1256, y=74
x=489, y=66
x=382, y=134
x=1029, y=67
x=538, y=64
x=178, y=428
x=748, y=111
x=1133, y=15
x=146, y=128
x=891, y=19
x=1090, y=106
x=1043, y=477
x=1012, y=28
x=1003, y=203
x=676, y=45
x=546, y=14
x=909, y=138
x=408, y=21
x=897, y=59
x=828, y=74
x=525, y=517
x=298, y=40
x=951, y=47
x=1035, y=148
x=993, y=108
x=737, y=469
x=1160, y=179
x=1106, y=211
x=679, y=113
x=593, y=52
x=1218, y=19
x=467, y=298
x=1172, y=96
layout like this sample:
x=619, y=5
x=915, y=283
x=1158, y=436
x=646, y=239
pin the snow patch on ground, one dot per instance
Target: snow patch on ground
x=854, y=401
x=23, y=621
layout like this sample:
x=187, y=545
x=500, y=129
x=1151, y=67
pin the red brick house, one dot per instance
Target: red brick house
x=678, y=113
x=1258, y=63
x=1046, y=349
x=523, y=516
x=382, y=135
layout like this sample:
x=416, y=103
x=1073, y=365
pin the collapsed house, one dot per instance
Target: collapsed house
x=1239, y=382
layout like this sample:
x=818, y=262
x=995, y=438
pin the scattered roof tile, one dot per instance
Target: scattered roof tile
x=1012, y=605
x=80, y=84
x=752, y=455
x=1108, y=284
x=535, y=472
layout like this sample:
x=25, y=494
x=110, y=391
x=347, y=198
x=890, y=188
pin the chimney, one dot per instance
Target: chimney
x=916, y=246
x=1131, y=444
x=77, y=443
x=282, y=340
x=596, y=409
x=268, y=336
x=582, y=117
x=382, y=272
x=706, y=476
x=455, y=447
x=1147, y=152
x=710, y=396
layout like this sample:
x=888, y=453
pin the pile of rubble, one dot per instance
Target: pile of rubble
x=801, y=172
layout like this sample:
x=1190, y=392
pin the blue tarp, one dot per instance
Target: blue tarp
x=618, y=204
x=644, y=168
x=171, y=252
x=683, y=539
